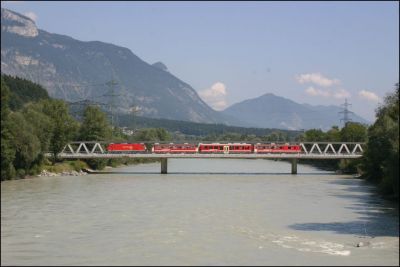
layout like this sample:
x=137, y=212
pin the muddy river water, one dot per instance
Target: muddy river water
x=204, y=212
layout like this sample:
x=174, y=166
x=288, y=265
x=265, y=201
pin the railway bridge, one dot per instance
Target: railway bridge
x=309, y=150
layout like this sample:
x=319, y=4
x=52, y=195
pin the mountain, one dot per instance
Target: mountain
x=74, y=70
x=160, y=65
x=271, y=111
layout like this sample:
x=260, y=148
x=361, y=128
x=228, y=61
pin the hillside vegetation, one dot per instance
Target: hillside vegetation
x=33, y=124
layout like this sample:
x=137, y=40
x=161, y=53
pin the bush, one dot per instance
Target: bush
x=78, y=165
x=96, y=164
x=36, y=169
x=20, y=173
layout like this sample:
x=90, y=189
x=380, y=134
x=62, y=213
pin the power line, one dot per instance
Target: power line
x=110, y=94
x=346, y=112
x=111, y=101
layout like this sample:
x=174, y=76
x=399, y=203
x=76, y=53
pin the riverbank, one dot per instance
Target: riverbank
x=65, y=173
x=79, y=167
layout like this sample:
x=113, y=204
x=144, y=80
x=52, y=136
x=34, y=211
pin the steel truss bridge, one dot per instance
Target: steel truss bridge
x=310, y=150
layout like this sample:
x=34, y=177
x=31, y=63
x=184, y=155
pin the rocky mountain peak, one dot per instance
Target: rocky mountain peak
x=18, y=24
x=66, y=66
x=160, y=65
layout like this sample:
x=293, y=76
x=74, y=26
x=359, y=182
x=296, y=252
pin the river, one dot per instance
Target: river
x=204, y=212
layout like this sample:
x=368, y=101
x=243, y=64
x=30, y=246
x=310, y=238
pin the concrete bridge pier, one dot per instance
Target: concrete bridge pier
x=294, y=166
x=164, y=165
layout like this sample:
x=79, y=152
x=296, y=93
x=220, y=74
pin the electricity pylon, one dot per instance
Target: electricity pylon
x=346, y=112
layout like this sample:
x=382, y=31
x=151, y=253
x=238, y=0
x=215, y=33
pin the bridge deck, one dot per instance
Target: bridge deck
x=225, y=156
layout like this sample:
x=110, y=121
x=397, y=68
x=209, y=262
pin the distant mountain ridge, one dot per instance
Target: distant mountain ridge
x=271, y=111
x=74, y=70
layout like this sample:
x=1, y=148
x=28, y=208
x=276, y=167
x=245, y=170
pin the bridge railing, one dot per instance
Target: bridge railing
x=308, y=148
x=336, y=148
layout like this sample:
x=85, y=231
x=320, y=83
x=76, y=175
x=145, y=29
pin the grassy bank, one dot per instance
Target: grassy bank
x=79, y=165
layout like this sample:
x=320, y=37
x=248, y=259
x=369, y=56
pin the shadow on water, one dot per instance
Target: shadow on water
x=377, y=217
x=218, y=173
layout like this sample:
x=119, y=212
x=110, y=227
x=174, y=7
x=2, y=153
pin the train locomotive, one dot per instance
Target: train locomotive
x=206, y=148
x=125, y=147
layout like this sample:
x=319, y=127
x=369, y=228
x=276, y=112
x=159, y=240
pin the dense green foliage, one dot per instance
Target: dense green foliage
x=351, y=132
x=64, y=126
x=95, y=127
x=381, y=159
x=152, y=134
x=197, y=130
x=23, y=91
x=38, y=125
x=7, y=149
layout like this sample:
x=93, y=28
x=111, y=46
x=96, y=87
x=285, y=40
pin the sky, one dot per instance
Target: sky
x=317, y=53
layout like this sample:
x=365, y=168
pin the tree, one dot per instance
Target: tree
x=7, y=151
x=333, y=135
x=380, y=161
x=43, y=126
x=95, y=126
x=25, y=142
x=314, y=135
x=23, y=91
x=353, y=132
x=64, y=126
x=153, y=134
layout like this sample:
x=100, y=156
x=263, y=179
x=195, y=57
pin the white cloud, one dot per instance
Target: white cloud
x=31, y=15
x=341, y=93
x=369, y=95
x=317, y=92
x=215, y=96
x=317, y=79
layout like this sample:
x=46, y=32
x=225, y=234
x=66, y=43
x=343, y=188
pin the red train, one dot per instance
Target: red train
x=223, y=148
x=125, y=147
x=174, y=148
x=226, y=148
x=276, y=148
